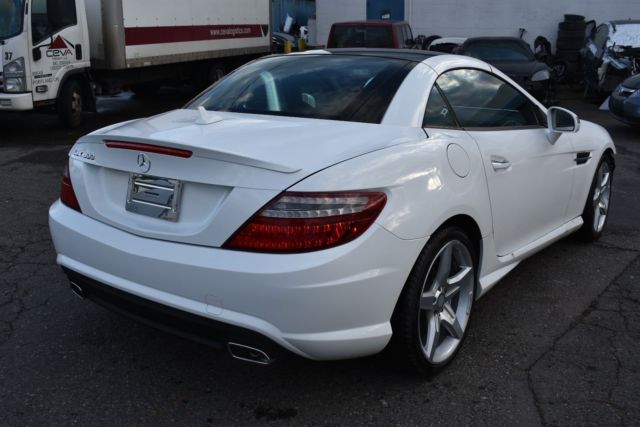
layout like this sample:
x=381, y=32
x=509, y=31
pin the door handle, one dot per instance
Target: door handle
x=500, y=163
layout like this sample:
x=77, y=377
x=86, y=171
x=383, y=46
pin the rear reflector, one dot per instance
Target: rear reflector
x=148, y=148
x=303, y=222
x=67, y=195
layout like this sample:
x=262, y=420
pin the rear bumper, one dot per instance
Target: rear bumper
x=196, y=328
x=16, y=102
x=331, y=304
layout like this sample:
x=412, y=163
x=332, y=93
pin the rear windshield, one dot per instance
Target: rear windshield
x=361, y=36
x=499, y=51
x=334, y=87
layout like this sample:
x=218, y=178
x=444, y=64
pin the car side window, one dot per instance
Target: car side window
x=482, y=100
x=602, y=33
x=50, y=16
x=437, y=113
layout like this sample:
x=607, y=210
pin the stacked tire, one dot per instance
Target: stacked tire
x=571, y=35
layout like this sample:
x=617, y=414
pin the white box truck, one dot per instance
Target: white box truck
x=58, y=54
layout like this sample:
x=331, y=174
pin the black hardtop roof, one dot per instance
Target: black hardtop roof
x=490, y=39
x=413, y=55
x=376, y=22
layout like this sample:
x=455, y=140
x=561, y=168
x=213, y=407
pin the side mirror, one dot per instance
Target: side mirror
x=559, y=121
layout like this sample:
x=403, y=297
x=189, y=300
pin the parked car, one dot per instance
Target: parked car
x=328, y=204
x=611, y=54
x=513, y=57
x=371, y=33
x=624, y=102
x=445, y=44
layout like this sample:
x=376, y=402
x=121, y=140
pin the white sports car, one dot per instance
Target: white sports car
x=329, y=204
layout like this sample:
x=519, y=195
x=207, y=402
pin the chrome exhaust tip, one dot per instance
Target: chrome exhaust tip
x=77, y=290
x=248, y=354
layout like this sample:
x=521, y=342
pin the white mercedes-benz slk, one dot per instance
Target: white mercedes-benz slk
x=328, y=204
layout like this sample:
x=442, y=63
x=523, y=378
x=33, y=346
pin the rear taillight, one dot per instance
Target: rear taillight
x=67, y=195
x=303, y=222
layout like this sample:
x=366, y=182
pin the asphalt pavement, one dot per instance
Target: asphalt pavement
x=556, y=342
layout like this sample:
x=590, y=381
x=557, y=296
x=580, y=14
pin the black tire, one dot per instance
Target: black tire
x=573, y=43
x=407, y=342
x=572, y=26
x=568, y=55
x=428, y=40
x=563, y=34
x=589, y=231
x=560, y=70
x=573, y=18
x=69, y=104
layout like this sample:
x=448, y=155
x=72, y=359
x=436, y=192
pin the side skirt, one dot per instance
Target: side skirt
x=504, y=264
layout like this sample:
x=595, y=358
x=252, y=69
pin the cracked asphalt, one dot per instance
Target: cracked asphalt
x=555, y=343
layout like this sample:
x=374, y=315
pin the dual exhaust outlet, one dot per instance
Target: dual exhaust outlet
x=237, y=351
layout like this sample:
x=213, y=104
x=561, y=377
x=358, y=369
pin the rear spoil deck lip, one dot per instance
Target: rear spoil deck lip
x=149, y=148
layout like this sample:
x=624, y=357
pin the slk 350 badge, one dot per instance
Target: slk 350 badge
x=83, y=154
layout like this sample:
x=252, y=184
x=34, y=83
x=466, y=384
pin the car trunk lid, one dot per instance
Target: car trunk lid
x=212, y=177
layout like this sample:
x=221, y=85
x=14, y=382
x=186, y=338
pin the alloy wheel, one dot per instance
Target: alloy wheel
x=601, y=197
x=446, y=301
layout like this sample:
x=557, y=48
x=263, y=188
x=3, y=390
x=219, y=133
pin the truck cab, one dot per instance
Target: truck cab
x=56, y=54
x=371, y=33
x=43, y=45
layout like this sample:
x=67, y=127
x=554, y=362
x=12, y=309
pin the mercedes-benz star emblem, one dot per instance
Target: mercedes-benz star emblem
x=144, y=163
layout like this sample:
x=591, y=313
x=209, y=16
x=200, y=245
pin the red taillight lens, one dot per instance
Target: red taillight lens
x=67, y=195
x=303, y=222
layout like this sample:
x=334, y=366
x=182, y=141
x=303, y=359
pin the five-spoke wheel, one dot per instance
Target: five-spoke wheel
x=433, y=312
x=601, y=196
x=445, y=304
x=596, y=209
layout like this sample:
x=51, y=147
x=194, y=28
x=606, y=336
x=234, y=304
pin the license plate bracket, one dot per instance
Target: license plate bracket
x=154, y=196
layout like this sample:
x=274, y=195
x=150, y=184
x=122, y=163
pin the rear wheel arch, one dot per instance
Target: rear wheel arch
x=79, y=75
x=408, y=342
x=470, y=227
x=75, y=81
x=609, y=152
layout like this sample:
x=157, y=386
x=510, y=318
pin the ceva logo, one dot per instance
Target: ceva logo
x=60, y=48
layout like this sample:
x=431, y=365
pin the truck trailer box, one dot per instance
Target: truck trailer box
x=141, y=33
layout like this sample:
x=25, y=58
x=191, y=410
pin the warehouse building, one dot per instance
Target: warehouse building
x=467, y=18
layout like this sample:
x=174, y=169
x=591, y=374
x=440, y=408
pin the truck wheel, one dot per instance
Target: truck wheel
x=69, y=104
